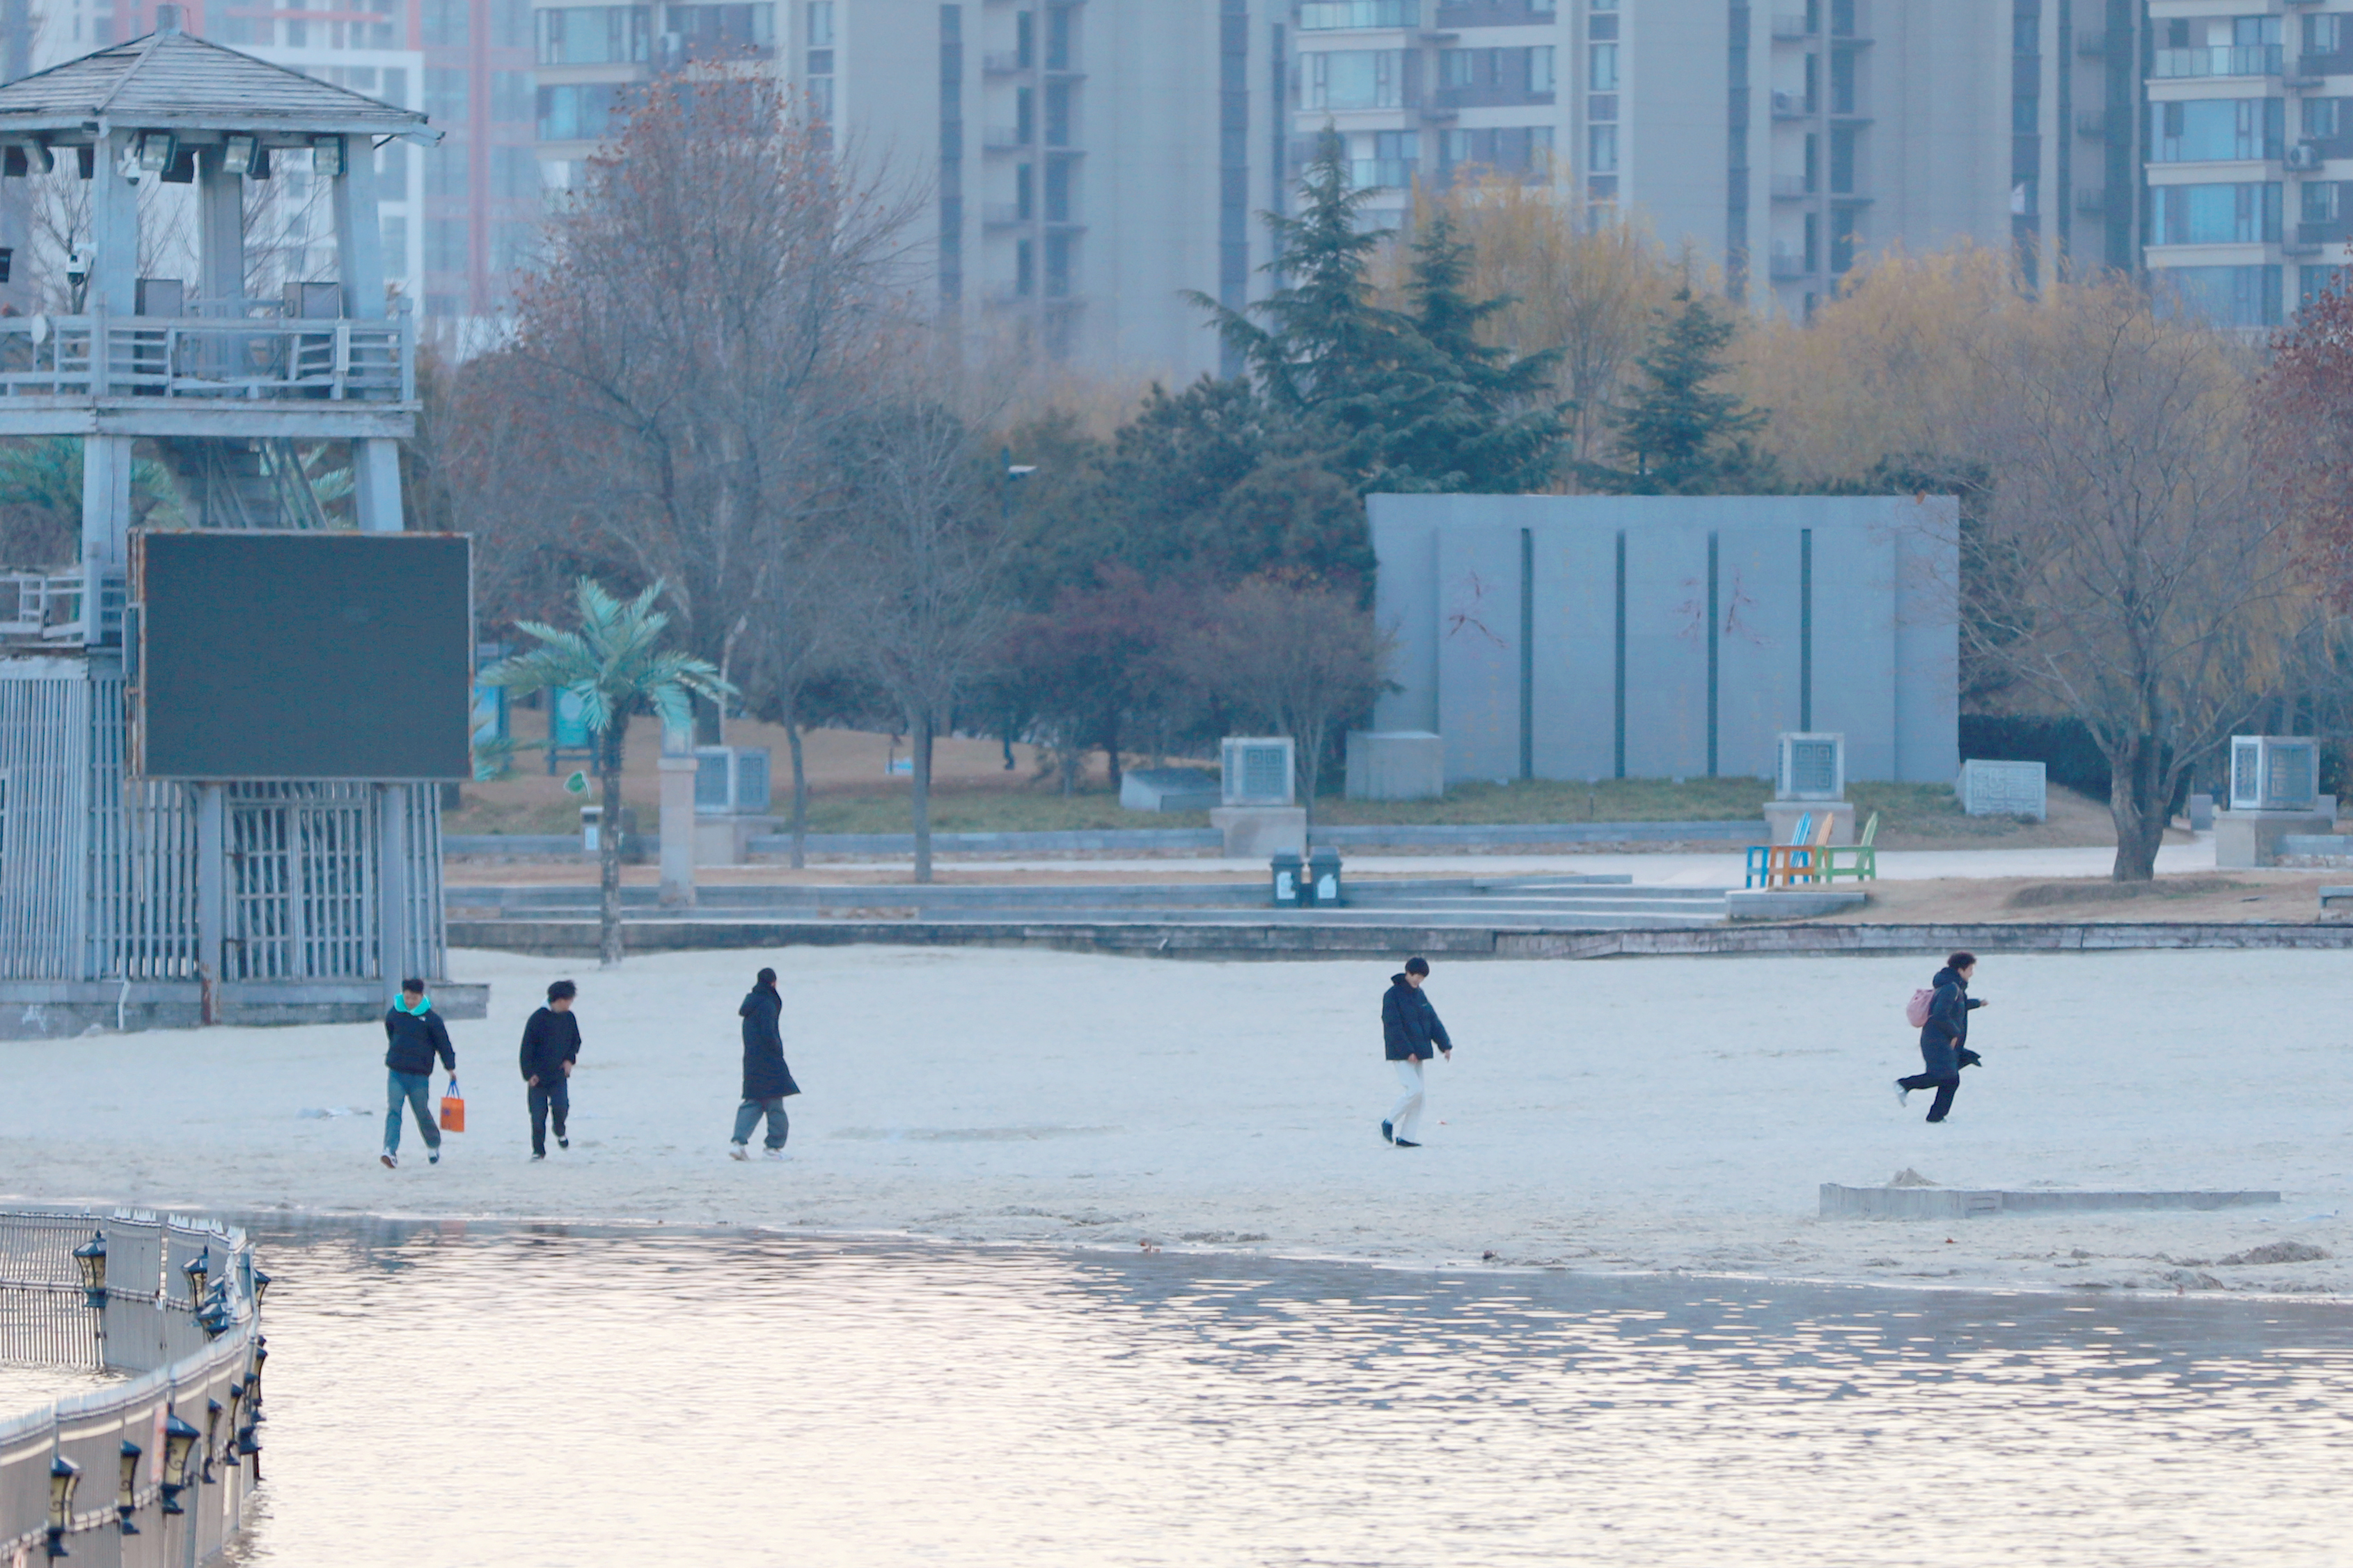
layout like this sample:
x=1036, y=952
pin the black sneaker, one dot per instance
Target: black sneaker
x=563, y=1142
x=539, y=1153
x=1387, y=1135
x=1405, y=1142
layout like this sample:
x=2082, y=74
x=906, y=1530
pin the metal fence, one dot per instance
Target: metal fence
x=161, y=1466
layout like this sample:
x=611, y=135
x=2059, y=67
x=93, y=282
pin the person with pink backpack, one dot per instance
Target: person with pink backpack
x=1942, y=1014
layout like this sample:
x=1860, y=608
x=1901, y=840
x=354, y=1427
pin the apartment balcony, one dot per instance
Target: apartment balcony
x=2092, y=123
x=1379, y=174
x=1003, y=63
x=1792, y=105
x=1792, y=29
x=1002, y=215
x=2092, y=202
x=1006, y=139
x=325, y=377
x=2328, y=231
x=1789, y=266
x=1792, y=189
x=2219, y=60
x=1329, y=15
x=2091, y=44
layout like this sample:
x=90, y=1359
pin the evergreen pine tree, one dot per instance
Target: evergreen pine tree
x=1678, y=437
x=1462, y=415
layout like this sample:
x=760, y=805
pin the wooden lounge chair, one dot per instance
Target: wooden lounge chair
x=1788, y=864
x=1760, y=854
x=1863, y=859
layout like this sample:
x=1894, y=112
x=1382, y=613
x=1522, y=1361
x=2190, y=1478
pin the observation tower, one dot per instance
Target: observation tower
x=219, y=732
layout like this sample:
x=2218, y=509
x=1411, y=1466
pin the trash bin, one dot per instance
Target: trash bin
x=1290, y=891
x=591, y=818
x=1323, y=877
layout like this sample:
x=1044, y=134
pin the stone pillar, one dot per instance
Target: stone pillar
x=678, y=829
x=212, y=892
x=392, y=874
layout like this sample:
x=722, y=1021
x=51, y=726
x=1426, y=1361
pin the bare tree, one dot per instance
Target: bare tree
x=1303, y=659
x=926, y=569
x=708, y=299
x=2135, y=567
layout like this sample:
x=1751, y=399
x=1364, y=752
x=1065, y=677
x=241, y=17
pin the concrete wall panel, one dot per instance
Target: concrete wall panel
x=1479, y=650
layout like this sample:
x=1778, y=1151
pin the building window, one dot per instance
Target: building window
x=714, y=32
x=2320, y=201
x=581, y=112
x=1842, y=145
x=1058, y=114
x=1355, y=78
x=514, y=174
x=393, y=235
x=1393, y=157
x=445, y=95
x=2312, y=282
x=1842, y=94
x=2221, y=130
x=1058, y=191
x=443, y=23
x=1058, y=49
x=2322, y=116
x=1603, y=75
x=1457, y=67
x=511, y=95
x=820, y=23
x=2228, y=296
x=1025, y=190
x=445, y=245
x=1601, y=150
x=445, y=171
x=1025, y=268
x=1024, y=116
x=2323, y=35
x=1540, y=69
x=1318, y=15
x=2214, y=215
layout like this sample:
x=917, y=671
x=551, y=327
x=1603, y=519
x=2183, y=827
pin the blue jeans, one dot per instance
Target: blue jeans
x=416, y=1088
x=747, y=1116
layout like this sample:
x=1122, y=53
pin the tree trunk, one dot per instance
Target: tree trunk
x=920, y=733
x=1110, y=749
x=2137, y=804
x=609, y=848
x=800, y=789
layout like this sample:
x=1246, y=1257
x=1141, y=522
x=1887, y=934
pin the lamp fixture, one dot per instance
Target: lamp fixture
x=212, y=1437
x=197, y=1268
x=216, y=1317
x=90, y=1258
x=179, y=1443
x=126, y=1492
x=156, y=150
x=64, y=1476
x=235, y=1400
x=329, y=159
x=27, y=158
x=237, y=153
x=260, y=1288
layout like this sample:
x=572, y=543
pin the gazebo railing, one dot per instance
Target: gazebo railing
x=210, y=358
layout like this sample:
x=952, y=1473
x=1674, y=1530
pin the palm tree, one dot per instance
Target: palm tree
x=614, y=665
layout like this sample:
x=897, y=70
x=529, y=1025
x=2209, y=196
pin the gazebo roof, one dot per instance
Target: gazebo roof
x=171, y=81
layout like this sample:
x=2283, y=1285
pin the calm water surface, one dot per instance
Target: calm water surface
x=509, y=1397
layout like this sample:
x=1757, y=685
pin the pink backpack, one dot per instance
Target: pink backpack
x=1915, y=1011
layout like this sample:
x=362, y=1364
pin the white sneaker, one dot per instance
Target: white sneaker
x=773, y=1154
x=433, y=1155
x=738, y=1152
x=391, y=1161
x=1903, y=1095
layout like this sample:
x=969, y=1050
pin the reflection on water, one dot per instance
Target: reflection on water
x=24, y=1389
x=516, y=1397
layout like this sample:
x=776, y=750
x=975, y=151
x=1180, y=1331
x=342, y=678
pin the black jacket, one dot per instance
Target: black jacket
x=765, y=1075
x=549, y=1040
x=414, y=1039
x=1409, y=1024
x=1944, y=1038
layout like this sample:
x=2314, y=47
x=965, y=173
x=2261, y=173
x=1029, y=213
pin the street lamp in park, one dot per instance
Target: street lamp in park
x=64, y=1476
x=196, y=1268
x=1014, y=474
x=126, y=1491
x=90, y=1258
x=179, y=1442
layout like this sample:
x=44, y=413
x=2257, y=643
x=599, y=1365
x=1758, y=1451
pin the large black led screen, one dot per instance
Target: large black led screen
x=302, y=655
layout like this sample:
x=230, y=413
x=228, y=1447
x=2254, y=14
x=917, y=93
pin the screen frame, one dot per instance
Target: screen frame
x=137, y=657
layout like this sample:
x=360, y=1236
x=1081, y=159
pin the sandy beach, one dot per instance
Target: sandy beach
x=1647, y=1114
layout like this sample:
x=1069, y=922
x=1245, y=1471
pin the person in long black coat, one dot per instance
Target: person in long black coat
x=768, y=1081
x=1944, y=1037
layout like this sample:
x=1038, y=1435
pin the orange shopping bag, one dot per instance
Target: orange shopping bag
x=453, y=1108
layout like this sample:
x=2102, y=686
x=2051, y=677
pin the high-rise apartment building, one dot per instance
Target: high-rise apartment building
x=1082, y=164
x=1782, y=140
x=2249, y=142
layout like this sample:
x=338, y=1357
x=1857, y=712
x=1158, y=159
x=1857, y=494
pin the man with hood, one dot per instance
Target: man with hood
x=1944, y=1037
x=414, y=1034
x=767, y=1080
x=1409, y=1030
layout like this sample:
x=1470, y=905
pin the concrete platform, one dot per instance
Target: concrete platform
x=1961, y=1203
x=60, y=1009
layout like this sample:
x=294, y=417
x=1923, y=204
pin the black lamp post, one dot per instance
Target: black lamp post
x=217, y=1315
x=212, y=1437
x=179, y=1443
x=260, y=1288
x=64, y=1476
x=126, y=1493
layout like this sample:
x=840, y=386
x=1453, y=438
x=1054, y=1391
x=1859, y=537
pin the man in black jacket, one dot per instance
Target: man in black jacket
x=414, y=1034
x=551, y=1043
x=1409, y=1030
x=767, y=1080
